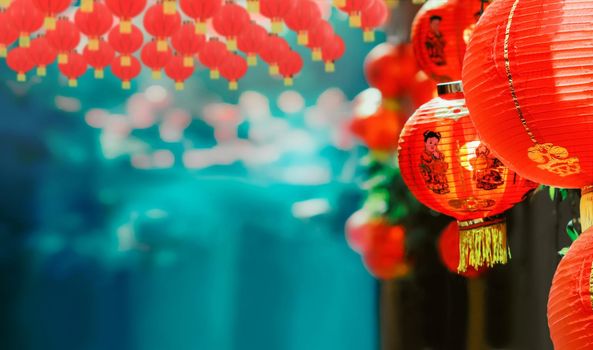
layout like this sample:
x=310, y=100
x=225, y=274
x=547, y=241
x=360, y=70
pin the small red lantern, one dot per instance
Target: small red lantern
x=155, y=59
x=178, y=72
x=73, y=67
x=126, y=10
x=126, y=43
x=448, y=245
x=187, y=43
x=251, y=41
x=302, y=18
x=289, y=66
x=332, y=51
x=161, y=25
x=230, y=21
x=379, y=130
x=276, y=10
x=448, y=169
x=373, y=17
x=570, y=305
x=272, y=52
x=200, y=11
x=64, y=38
x=94, y=24
x=385, y=253
x=233, y=68
x=354, y=9
x=126, y=72
x=212, y=56
x=321, y=33
x=390, y=68
x=8, y=34
x=25, y=18
x=42, y=54
x=359, y=228
x=51, y=8
x=18, y=60
x=99, y=58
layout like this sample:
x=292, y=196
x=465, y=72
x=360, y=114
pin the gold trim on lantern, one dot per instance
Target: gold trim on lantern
x=586, y=207
x=3, y=51
x=179, y=85
x=303, y=37
x=99, y=73
x=355, y=20
x=214, y=74
x=126, y=85
x=21, y=77
x=161, y=45
x=49, y=23
x=24, y=40
x=252, y=59
x=72, y=83
x=591, y=285
x=482, y=242
x=188, y=61
x=41, y=71
x=201, y=27
x=86, y=6
x=125, y=26
x=169, y=7
x=233, y=85
x=125, y=61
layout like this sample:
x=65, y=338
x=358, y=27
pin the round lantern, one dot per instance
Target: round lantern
x=390, y=68
x=50, y=8
x=187, y=43
x=273, y=51
x=527, y=80
x=302, y=18
x=8, y=34
x=251, y=41
x=570, y=305
x=42, y=54
x=178, y=72
x=276, y=10
x=200, y=11
x=100, y=58
x=212, y=55
x=64, y=38
x=155, y=59
x=385, y=254
x=126, y=43
x=18, y=60
x=233, y=68
x=126, y=10
x=359, y=228
x=319, y=34
x=73, y=68
x=373, y=17
x=126, y=72
x=161, y=25
x=94, y=24
x=332, y=51
x=448, y=169
x=25, y=18
x=440, y=33
x=448, y=246
x=354, y=9
x=378, y=130
x=289, y=66
x=230, y=21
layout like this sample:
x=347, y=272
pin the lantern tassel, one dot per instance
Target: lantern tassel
x=24, y=40
x=330, y=67
x=251, y=60
x=99, y=73
x=201, y=27
x=368, y=35
x=253, y=6
x=276, y=26
x=233, y=85
x=62, y=58
x=316, y=54
x=303, y=38
x=49, y=23
x=156, y=74
x=188, y=61
x=231, y=44
x=21, y=77
x=482, y=242
x=355, y=20
x=86, y=6
x=4, y=3
x=214, y=74
x=125, y=26
x=126, y=85
x=339, y=3
x=288, y=81
x=161, y=45
x=41, y=71
x=169, y=7
x=94, y=44
x=3, y=51
x=179, y=85
x=274, y=69
x=586, y=208
x=72, y=83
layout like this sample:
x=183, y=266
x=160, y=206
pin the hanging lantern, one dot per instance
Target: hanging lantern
x=94, y=24
x=385, y=255
x=178, y=72
x=354, y=9
x=126, y=43
x=302, y=18
x=359, y=228
x=440, y=33
x=448, y=246
x=160, y=25
x=170, y=7
x=276, y=10
x=200, y=11
x=51, y=8
x=187, y=43
x=253, y=6
x=230, y=21
x=73, y=67
x=212, y=55
x=8, y=34
x=318, y=36
x=570, y=305
x=422, y=89
x=250, y=42
x=18, y=60
x=100, y=58
x=126, y=10
x=64, y=38
x=233, y=68
x=332, y=51
x=448, y=169
x=126, y=72
x=154, y=59
x=87, y=5
x=290, y=65
x=42, y=54
x=25, y=18
x=390, y=68
x=372, y=17
x=378, y=130
x=272, y=52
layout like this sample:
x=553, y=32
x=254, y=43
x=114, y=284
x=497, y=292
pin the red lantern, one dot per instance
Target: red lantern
x=126, y=43
x=8, y=34
x=359, y=228
x=302, y=18
x=178, y=72
x=64, y=38
x=321, y=33
x=200, y=11
x=289, y=66
x=379, y=130
x=187, y=43
x=51, y=8
x=42, y=54
x=73, y=67
x=233, y=68
x=385, y=254
x=99, y=58
x=448, y=245
x=390, y=68
x=276, y=10
x=25, y=18
x=272, y=52
x=18, y=60
x=94, y=24
x=155, y=59
x=212, y=55
x=373, y=17
x=126, y=10
x=230, y=21
x=161, y=25
x=250, y=42
x=448, y=169
x=570, y=305
x=332, y=51
x=354, y=9
x=422, y=89
x=126, y=72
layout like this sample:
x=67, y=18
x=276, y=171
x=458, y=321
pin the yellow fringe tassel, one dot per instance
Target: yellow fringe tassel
x=483, y=245
x=586, y=208
x=3, y=50
x=41, y=71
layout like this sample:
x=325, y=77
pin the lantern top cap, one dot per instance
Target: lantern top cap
x=451, y=87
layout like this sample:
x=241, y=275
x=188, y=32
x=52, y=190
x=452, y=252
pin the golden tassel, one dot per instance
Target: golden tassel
x=586, y=208
x=253, y=6
x=276, y=26
x=125, y=61
x=231, y=44
x=99, y=73
x=251, y=60
x=179, y=85
x=24, y=40
x=274, y=69
x=156, y=74
x=4, y=3
x=49, y=23
x=169, y=7
x=482, y=242
x=214, y=74
x=201, y=27
x=368, y=35
x=303, y=38
x=339, y=3
x=288, y=81
x=3, y=51
x=392, y=3
x=126, y=85
x=354, y=20
x=316, y=55
x=72, y=83
x=330, y=67
x=233, y=85
x=41, y=71
x=188, y=61
x=21, y=77
x=62, y=58
x=125, y=26
x=94, y=44
x=161, y=45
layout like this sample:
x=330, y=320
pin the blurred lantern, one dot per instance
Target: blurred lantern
x=187, y=43
x=25, y=18
x=87, y=5
x=440, y=33
x=94, y=24
x=422, y=89
x=233, y=68
x=273, y=51
x=448, y=169
x=359, y=227
x=390, y=68
x=321, y=33
x=570, y=305
x=8, y=33
x=126, y=10
x=528, y=85
x=276, y=10
x=253, y=6
x=161, y=25
x=332, y=51
x=126, y=43
x=178, y=72
x=18, y=60
x=212, y=55
x=448, y=245
x=64, y=38
x=200, y=11
x=73, y=67
x=379, y=131
x=42, y=54
x=99, y=58
x=169, y=7
x=155, y=59
x=302, y=18
x=250, y=42
x=126, y=72
x=373, y=17
x=51, y=8
x=289, y=66
x=354, y=9
x=230, y=21
x=386, y=252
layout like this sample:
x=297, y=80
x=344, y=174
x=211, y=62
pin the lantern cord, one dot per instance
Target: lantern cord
x=483, y=245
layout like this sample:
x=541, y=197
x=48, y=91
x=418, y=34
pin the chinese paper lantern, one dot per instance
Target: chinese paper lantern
x=126, y=72
x=233, y=68
x=155, y=59
x=63, y=38
x=390, y=68
x=161, y=25
x=448, y=246
x=373, y=17
x=385, y=253
x=440, y=32
x=570, y=305
x=100, y=58
x=378, y=130
x=289, y=66
x=359, y=228
x=94, y=24
x=178, y=72
x=126, y=10
x=25, y=18
x=18, y=60
x=51, y=8
x=250, y=42
x=302, y=17
x=187, y=43
x=42, y=54
x=230, y=21
x=321, y=32
x=73, y=67
x=276, y=10
x=200, y=11
x=422, y=89
x=354, y=9
x=8, y=34
x=272, y=52
x=332, y=51
x=126, y=43
x=212, y=55
x=448, y=169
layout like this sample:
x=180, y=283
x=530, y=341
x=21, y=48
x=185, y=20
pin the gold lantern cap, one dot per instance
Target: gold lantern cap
x=451, y=87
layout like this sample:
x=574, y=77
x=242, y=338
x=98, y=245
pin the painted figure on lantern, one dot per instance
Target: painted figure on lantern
x=487, y=169
x=432, y=164
x=435, y=43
